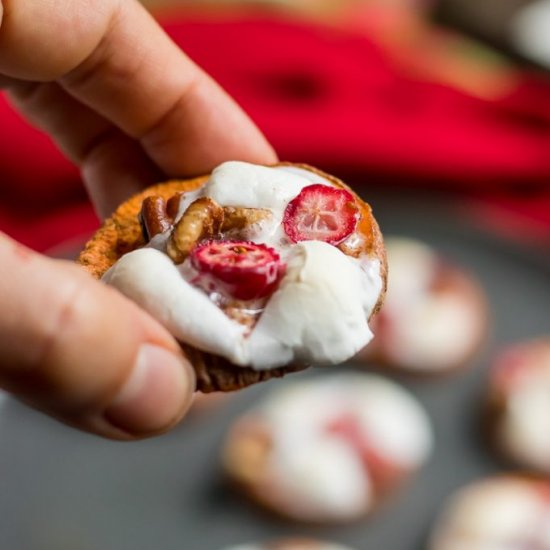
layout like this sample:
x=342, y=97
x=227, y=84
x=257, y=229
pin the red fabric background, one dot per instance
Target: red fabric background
x=328, y=98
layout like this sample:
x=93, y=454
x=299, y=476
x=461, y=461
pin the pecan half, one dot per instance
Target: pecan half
x=173, y=204
x=202, y=220
x=153, y=217
x=237, y=218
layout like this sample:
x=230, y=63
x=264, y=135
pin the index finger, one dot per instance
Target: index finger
x=112, y=56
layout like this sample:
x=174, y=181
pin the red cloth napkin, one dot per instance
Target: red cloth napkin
x=322, y=96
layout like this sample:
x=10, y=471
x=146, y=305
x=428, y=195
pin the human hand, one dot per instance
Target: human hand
x=123, y=102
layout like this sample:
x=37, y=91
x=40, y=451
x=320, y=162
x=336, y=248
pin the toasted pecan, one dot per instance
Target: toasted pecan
x=173, y=204
x=153, y=217
x=202, y=220
x=237, y=219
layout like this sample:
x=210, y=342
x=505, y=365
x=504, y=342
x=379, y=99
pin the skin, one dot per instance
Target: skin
x=130, y=108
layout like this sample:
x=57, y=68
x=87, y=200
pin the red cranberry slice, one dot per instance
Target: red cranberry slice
x=240, y=269
x=321, y=213
x=383, y=472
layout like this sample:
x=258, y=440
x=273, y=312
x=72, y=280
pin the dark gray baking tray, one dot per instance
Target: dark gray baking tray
x=63, y=490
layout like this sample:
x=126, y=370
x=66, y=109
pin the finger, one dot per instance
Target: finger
x=6, y=81
x=81, y=352
x=118, y=61
x=114, y=164
x=50, y=107
x=114, y=169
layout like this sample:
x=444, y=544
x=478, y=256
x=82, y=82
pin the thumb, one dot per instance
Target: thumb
x=81, y=352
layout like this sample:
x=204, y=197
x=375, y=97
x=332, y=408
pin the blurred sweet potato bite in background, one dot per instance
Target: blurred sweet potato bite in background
x=435, y=317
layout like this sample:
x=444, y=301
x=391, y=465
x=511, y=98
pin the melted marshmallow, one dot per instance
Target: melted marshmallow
x=160, y=290
x=323, y=470
x=319, y=312
x=309, y=317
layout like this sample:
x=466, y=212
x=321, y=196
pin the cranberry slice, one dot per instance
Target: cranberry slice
x=321, y=213
x=240, y=269
x=383, y=472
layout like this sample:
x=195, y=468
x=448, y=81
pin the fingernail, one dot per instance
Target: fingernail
x=156, y=395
